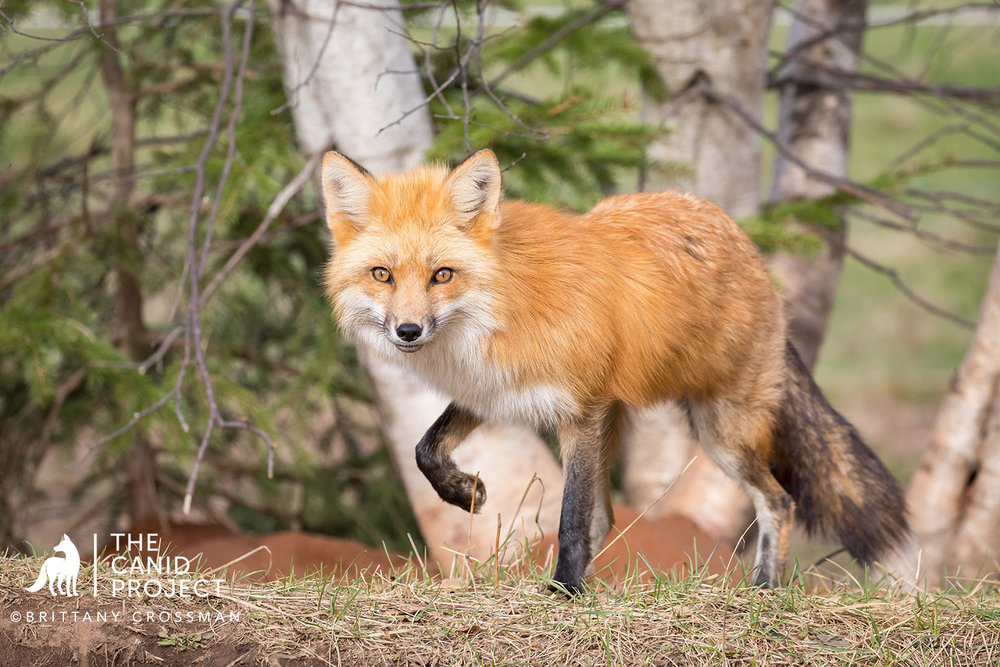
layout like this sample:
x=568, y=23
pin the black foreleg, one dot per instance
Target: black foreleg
x=586, y=516
x=434, y=458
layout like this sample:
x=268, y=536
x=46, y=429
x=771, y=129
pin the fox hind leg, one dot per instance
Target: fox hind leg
x=739, y=440
x=774, y=510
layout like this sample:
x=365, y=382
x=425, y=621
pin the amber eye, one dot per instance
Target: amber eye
x=381, y=274
x=442, y=276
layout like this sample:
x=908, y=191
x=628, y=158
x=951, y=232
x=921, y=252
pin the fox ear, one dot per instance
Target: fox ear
x=476, y=189
x=346, y=191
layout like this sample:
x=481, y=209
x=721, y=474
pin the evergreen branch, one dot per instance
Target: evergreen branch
x=62, y=392
x=857, y=190
x=36, y=262
x=557, y=37
x=126, y=427
x=274, y=210
x=81, y=33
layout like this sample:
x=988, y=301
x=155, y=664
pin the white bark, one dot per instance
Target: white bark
x=954, y=516
x=348, y=76
x=351, y=79
x=654, y=442
x=722, y=44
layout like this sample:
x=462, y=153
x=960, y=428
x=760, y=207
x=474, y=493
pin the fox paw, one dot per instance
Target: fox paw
x=459, y=490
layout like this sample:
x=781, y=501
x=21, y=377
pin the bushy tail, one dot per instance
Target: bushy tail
x=40, y=582
x=840, y=487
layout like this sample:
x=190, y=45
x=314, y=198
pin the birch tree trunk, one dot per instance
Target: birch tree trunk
x=954, y=497
x=351, y=80
x=814, y=121
x=130, y=330
x=698, y=43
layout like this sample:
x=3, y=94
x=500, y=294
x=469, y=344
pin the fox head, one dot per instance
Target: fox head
x=413, y=258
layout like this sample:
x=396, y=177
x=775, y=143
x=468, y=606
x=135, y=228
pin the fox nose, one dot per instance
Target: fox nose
x=409, y=331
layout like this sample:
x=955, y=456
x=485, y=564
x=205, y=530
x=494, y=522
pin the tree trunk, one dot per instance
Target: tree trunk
x=698, y=43
x=814, y=121
x=129, y=327
x=130, y=330
x=350, y=79
x=954, y=497
x=723, y=45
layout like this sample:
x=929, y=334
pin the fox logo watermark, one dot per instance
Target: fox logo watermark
x=60, y=570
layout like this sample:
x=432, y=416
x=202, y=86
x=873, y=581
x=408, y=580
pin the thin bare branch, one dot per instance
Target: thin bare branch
x=931, y=238
x=193, y=322
x=125, y=428
x=273, y=211
x=920, y=301
x=862, y=192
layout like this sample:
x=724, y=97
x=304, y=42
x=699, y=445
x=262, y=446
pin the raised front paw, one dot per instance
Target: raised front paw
x=458, y=489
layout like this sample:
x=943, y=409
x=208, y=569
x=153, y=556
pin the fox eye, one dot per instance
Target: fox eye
x=382, y=274
x=442, y=275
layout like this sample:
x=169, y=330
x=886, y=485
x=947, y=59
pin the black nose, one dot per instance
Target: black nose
x=409, y=331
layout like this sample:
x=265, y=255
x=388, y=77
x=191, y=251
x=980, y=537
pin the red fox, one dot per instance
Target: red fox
x=522, y=313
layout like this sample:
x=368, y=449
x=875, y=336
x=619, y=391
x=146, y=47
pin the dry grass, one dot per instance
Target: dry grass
x=412, y=619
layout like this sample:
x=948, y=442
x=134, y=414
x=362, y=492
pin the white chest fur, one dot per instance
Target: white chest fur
x=459, y=369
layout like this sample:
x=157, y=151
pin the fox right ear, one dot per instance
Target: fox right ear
x=346, y=190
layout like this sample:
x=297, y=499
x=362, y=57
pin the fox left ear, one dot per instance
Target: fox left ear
x=476, y=189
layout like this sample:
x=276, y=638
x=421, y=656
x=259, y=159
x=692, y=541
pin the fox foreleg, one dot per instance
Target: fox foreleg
x=434, y=459
x=586, y=516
